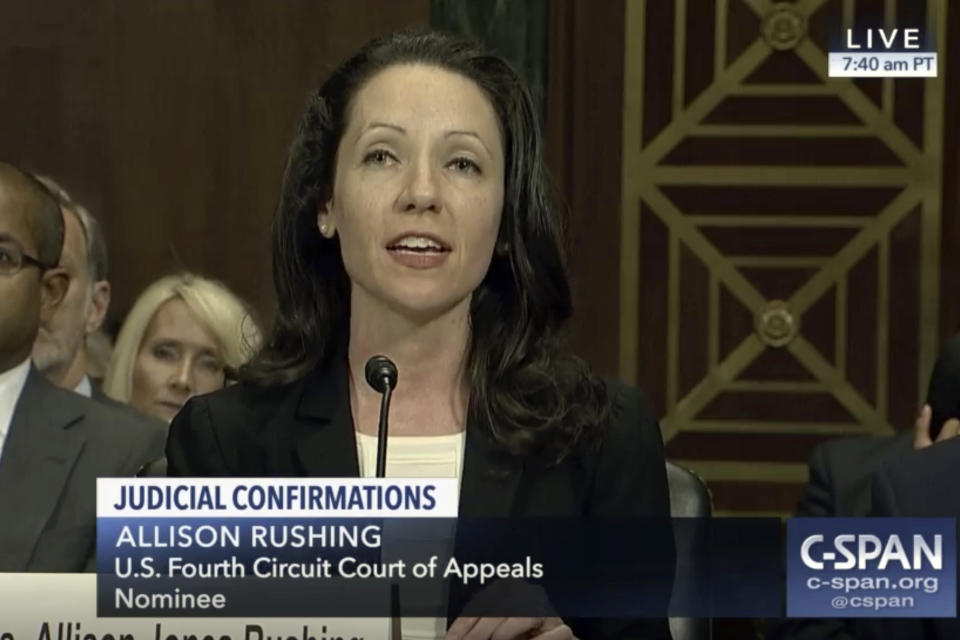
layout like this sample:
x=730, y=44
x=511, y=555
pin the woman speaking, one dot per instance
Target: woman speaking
x=415, y=222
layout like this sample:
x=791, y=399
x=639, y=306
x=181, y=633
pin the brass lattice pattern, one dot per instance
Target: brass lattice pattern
x=671, y=158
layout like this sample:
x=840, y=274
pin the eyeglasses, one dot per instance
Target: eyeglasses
x=13, y=259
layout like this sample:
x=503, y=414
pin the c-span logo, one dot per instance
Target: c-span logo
x=872, y=567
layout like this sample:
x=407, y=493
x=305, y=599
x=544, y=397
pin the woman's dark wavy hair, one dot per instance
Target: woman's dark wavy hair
x=531, y=395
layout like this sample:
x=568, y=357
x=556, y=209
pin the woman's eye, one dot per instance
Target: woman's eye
x=380, y=157
x=464, y=165
x=164, y=352
x=211, y=365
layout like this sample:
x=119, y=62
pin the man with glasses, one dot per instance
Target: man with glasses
x=53, y=443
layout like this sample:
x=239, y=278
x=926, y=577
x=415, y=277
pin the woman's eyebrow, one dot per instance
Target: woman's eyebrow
x=471, y=134
x=387, y=125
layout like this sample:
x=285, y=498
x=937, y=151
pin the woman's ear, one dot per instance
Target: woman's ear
x=325, y=220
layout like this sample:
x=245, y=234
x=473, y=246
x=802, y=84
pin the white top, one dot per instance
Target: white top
x=84, y=388
x=11, y=386
x=416, y=457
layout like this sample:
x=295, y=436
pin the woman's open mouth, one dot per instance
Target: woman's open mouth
x=419, y=251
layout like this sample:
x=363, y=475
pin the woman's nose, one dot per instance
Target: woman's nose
x=181, y=378
x=420, y=192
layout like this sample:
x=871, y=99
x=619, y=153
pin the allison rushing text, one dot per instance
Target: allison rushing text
x=274, y=536
x=74, y=630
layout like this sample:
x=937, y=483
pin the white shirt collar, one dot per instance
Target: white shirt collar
x=11, y=385
x=84, y=388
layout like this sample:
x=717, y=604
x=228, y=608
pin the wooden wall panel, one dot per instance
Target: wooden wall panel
x=170, y=120
x=950, y=237
x=584, y=103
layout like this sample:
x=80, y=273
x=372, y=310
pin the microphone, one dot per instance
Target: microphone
x=381, y=374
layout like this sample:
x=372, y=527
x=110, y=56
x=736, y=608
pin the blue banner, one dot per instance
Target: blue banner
x=437, y=567
x=872, y=567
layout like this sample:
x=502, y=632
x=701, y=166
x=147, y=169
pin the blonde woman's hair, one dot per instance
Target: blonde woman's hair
x=213, y=304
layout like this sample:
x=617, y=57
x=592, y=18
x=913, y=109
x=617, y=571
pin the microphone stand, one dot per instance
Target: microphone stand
x=381, y=374
x=382, y=432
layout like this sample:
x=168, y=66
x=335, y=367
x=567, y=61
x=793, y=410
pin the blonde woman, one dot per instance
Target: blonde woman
x=182, y=336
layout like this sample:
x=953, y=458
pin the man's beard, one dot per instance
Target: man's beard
x=54, y=353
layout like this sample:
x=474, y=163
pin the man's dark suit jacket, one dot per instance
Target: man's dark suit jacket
x=917, y=485
x=840, y=472
x=840, y=475
x=306, y=429
x=839, y=487
x=920, y=483
x=97, y=395
x=57, y=445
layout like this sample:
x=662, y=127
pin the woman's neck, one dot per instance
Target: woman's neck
x=430, y=397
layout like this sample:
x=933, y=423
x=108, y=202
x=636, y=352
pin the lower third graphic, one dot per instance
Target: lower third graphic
x=871, y=567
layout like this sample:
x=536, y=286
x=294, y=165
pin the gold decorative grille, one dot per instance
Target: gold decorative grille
x=797, y=216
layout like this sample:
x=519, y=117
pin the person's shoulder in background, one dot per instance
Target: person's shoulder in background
x=97, y=395
x=117, y=439
x=58, y=444
x=840, y=470
x=839, y=486
x=919, y=484
x=121, y=428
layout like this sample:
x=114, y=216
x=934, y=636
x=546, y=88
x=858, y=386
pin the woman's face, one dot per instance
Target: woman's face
x=418, y=190
x=178, y=358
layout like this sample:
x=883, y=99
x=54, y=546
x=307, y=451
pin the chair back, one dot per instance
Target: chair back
x=689, y=498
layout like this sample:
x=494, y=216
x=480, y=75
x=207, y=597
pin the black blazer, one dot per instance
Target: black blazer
x=58, y=444
x=915, y=485
x=839, y=487
x=306, y=428
x=919, y=483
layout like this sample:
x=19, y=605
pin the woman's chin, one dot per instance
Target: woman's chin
x=415, y=299
x=423, y=306
x=164, y=411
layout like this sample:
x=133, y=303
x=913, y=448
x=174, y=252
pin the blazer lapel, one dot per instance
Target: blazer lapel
x=38, y=455
x=488, y=489
x=490, y=479
x=323, y=435
x=325, y=444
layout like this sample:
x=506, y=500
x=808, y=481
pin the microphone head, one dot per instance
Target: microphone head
x=381, y=373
